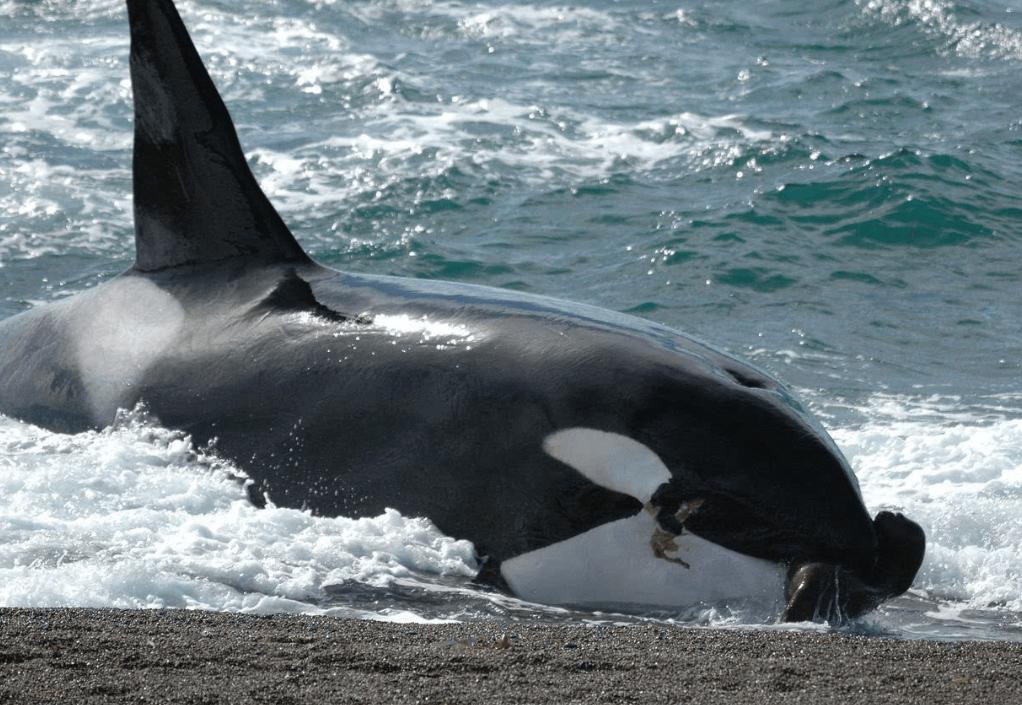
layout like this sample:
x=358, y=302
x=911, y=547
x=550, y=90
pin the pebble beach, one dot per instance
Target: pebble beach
x=179, y=656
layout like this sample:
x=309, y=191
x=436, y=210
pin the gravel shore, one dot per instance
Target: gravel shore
x=87, y=655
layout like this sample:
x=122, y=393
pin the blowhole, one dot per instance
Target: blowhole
x=748, y=380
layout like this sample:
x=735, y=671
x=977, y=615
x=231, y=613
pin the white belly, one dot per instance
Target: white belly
x=615, y=564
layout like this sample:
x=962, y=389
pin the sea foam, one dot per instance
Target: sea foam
x=134, y=516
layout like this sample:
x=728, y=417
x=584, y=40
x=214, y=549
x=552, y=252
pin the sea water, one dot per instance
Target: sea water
x=829, y=189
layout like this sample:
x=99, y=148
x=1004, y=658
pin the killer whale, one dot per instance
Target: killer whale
x=590, y=456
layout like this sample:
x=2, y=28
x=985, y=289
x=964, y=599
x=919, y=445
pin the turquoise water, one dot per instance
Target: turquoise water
x=828, y=189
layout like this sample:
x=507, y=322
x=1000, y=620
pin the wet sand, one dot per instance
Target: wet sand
x=110, y=656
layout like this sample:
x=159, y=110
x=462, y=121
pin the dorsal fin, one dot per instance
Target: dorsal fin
x=196, y=201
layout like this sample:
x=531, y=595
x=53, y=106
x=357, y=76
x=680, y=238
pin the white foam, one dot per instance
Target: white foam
x=940, y=19
x=135, y=517
x=546, y=142
x=523, y=22
x=959, y=474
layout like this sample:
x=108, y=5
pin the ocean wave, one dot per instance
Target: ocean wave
x=942, y=21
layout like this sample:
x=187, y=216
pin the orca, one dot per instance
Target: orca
x=590, y=456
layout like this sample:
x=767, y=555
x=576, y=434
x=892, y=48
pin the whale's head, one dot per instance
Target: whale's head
x=730, y=470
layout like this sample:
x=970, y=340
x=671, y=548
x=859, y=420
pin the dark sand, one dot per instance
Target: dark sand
x=83, y=655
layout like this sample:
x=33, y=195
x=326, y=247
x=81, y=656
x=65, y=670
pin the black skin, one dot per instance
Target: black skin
x=281, y=363
x=835, y=594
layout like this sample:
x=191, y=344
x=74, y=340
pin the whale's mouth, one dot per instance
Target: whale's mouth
x=834, y=590
x=758, y=529
x=835, y=593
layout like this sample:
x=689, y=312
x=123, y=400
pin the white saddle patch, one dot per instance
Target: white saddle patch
x=130, y=324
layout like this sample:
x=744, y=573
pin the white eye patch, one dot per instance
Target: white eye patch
x=610, y=460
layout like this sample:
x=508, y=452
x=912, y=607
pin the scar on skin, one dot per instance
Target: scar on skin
x=662, y=542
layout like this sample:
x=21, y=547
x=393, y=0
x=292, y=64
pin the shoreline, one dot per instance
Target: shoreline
x=181, y=656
